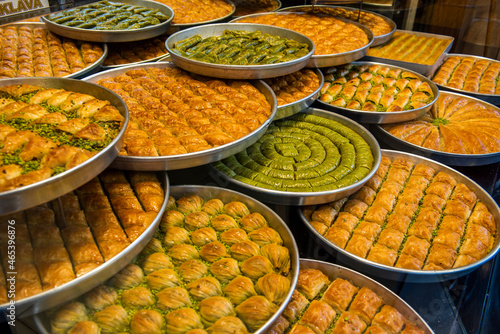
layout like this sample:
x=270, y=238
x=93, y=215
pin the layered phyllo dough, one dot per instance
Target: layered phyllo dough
x=173, y=112
x=329, y=34
x=475, y=75
x=302, y=153
x=46, y=131
x=76, y=233
x=246, y=7
x=454, y=124
x=413, y=48
x=375, y=88
x=411, y=216
x=31, y=51
x=214, y=267
x=198, y=11
x=322, y=305
x=133, y=52
x=295, y=86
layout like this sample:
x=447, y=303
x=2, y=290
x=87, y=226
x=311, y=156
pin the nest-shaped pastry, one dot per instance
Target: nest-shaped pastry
x=46, y=131
x=409, y=216
x=411, y=48
x=320, y=305
x=454, y=124
x=476, y=75
x=329, y=34
x=76, y=233
x=25, y=52
x=174, y=112
x=198, y=11
x=303, y=153
x=375, y=88
x=214, y=267
x=294, y=86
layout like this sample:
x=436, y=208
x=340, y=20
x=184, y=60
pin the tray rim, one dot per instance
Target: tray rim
x=332, y=59
x=94, y=67
x=193, y=159
x=412, y=275
x=490, y=98
x=377, y=40
x=375, y=117
x=277, y=220
x=444, y=157
x=24, y=197
x=247, y=72
x=114, y=35
x=307, y=198
x=73, y=289
x=359, y=279
x=420, y=68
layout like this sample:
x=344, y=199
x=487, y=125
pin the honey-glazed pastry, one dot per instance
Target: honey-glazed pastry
x=172, y=298
x=240, y=289
x=191, y=11
x=132, y=52
x=295, y=86
x=255, y=311
x=311, y=282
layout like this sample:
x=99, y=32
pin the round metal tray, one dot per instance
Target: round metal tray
x=290, y=109
x=37, y=193
x=306, y=198
x=115, y=35
x=490, y=98
x=207, y=192
x=274, y=10
x=238, y=71
x=75, y=288
x=329, y=59
x=194, y=159
x=334, y=271
x=443, y=157
x=417, y=276
x=175, y=27
x=376, y=117
x=377, y=40
x=92, y=68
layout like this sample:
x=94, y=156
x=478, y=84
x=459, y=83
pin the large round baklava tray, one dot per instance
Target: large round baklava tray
x=69, y=245
x=133, y=29
x=220, y=261
x=181, y=120
x=376, y=93
x=191, y=13
x=341, y=42
x=296, y=91
x=475, y=76
x=382, y=27
x=458, y=130
x=333, y=299
x=240, y=51
x=245, y=7
x=415, y=220
x=30, y=50
x=56, y=134
x=309, y=158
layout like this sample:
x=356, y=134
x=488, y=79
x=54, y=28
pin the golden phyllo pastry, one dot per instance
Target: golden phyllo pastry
x=475, y=75
x=245, y=7
x=30, y=51
x=46, y=131
x=195, y=11
x=329, y=34
x=454, y=124
x=339, y=306
x=76, y=233
x=375, y=88
x=295, y=86
x=173, y=112
x=132, y=52
x=197, y=288
x=413, y=48
x=418, y=218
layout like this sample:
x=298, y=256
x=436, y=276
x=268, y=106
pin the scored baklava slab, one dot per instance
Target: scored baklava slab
x=73, y=235
x=409, y=215
x=214, y=265
x=198, y=11
x=129, y=53
x=295, y=86
x=245, y=7
x=30, y=50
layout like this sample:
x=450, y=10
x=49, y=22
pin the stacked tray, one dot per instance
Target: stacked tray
x=193, y=13
x=110, y=35
x=455, y=68
x=69, y=245
x=247, y=288
x=163, y=155
x=50, y=178
x=373, y=232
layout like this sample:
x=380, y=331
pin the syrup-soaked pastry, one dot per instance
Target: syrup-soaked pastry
x=311, y=282
x=191, y=11
x=420, y=218
x=294, y=87
x=318, y=316
x=339, y=294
